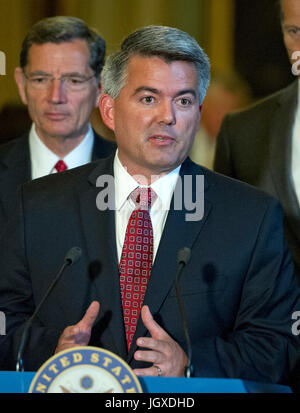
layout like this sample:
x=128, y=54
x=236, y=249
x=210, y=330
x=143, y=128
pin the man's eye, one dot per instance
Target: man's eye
x=74, y=80
x=39, y=79
x=185, y=102
x=148, y=99
x=293, y=30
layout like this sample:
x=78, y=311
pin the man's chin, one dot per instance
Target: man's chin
x=58, y=133
x=164, y=167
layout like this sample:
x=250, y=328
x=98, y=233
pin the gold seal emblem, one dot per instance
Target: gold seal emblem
x=85, y=370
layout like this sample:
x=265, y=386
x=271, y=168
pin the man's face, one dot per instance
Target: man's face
x=291, y=25
x=55, y=110
x=156, y=115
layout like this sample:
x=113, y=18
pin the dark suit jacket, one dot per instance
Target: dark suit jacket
x=255, y=146
x=238, y=287
x=15, y=169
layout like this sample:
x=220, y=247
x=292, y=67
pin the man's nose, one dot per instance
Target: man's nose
x=57, y=92
x=167, y=113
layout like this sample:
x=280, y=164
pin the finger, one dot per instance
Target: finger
x=79, y=334
x=151, y=343
x=90, y=316
x=154, y=357
x=150, y=371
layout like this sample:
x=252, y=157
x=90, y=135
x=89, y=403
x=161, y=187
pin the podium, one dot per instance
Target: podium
x=13, y=382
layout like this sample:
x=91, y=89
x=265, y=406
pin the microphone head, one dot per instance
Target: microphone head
x=184, y=255
x=73, y=255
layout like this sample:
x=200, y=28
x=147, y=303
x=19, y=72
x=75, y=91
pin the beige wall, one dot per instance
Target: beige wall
x=220, y=34
x=13, y=25
x=115, y=19
x=209, y=21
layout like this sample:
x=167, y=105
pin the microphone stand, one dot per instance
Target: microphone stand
x=71, y=257
x=182, y=259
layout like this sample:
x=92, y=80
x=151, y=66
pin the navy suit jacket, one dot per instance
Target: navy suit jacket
x=238, y=288
x=15, y=169
x=255, y=146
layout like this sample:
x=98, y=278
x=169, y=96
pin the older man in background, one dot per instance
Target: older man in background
x=59, y=80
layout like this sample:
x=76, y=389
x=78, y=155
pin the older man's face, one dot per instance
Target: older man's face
x=57, y=110
x=291, y=26
x=156, y=116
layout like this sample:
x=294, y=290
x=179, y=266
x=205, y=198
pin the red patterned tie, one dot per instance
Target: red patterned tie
x=60, y=166
x=136, y=259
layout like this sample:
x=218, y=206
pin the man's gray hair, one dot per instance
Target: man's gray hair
x=168, y=43
x=61, y=29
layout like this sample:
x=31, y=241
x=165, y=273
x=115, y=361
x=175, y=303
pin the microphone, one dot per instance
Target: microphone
x=72, y=256
x=183, y=258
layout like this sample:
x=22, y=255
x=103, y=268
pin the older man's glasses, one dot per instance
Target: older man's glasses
x=73, y=83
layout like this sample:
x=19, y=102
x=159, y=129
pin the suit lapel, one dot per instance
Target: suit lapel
x=16, y=170
x=99, y=232
x=281, y=154
x=178, y=233
x=18, y=156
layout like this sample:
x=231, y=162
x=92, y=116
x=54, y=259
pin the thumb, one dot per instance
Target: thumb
x=90, y=316
x=153, y=327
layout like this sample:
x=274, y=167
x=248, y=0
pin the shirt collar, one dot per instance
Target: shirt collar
x=164, y=188
x=125, y=184
x=43, y=159
x=82, y=154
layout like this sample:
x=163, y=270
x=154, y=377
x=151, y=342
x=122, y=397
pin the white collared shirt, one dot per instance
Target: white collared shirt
x=295, y=167
x=124, y=185
x=43, y=159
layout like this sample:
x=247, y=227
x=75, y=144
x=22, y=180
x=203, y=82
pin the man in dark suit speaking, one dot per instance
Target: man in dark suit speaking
x=238, y=288
x=58, y=79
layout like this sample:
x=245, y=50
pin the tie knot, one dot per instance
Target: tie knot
x=60, y=166
x=143, y=198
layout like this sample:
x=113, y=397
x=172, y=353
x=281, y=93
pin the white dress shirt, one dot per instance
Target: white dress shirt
x=43, y=159
x=124, y=185
x=296, y=149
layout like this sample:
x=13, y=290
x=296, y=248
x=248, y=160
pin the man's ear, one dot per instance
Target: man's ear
x=106, y=107
x=20, y=81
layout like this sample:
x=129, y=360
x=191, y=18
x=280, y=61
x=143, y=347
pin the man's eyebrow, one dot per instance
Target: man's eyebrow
x=157, y=92
x=39, y=73
x=42, y=73
x=146, y=89
x=290, y=26
x=186, y=92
